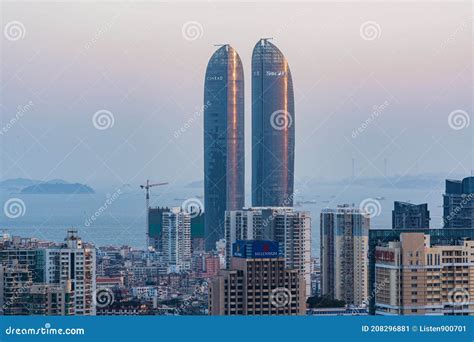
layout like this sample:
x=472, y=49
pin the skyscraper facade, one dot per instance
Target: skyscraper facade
x=344, y=247
x=408, y=215
x=290, y=228
x=224, y=164
x=257, y=283
x=458, y=203
x=273, y=127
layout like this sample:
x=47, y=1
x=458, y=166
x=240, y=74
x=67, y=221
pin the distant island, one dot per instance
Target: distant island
x=55, y=186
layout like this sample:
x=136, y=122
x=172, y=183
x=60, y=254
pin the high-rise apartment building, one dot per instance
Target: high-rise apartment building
x=257, y=283
x=344, y=248
x=15, y=282
x=176, y=240
x=224, y=160
x=415, y=277
x=292, y=229
x=50, y=300
x=458, y=203
x=155, y=229
x=273, y=127
x=64, y=273
x=408, y=215
x=77, y=264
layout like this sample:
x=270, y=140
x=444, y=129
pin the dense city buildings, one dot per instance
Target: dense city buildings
x=155, y=229
x=291, y=228
x=35, y=279
x=257, y=283
x=415, y=277
x=344, y=247
x=458, y=203
x=273, y=128
x=224, y=160
x=446, y=238
x=176, y=240
x=206, y=265
x=408, y=215
x=141, y=283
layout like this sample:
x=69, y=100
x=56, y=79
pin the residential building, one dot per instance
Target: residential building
x=176, y=240
x=415, y=277
x=344, y=247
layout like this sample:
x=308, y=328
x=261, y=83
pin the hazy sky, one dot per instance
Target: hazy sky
x=145, y=63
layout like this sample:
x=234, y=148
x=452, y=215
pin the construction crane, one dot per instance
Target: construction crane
x=147, y=188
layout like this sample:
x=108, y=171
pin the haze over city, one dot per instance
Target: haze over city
x=143, y=63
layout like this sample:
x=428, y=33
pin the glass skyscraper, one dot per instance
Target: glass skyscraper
x=224, y=164
x=458, y=203
x=273, y=127
x=408, y=215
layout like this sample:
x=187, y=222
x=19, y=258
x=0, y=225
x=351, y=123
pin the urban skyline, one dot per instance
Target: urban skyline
x=344, y=86
x=217, y=252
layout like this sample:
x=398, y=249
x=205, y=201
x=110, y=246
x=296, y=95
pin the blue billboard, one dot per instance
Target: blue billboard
x=256, y=249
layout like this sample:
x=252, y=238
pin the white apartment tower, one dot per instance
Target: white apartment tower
x=176, y=239
x=77, y=267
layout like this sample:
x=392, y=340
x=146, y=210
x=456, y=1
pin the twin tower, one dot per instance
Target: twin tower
x=273, y=134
